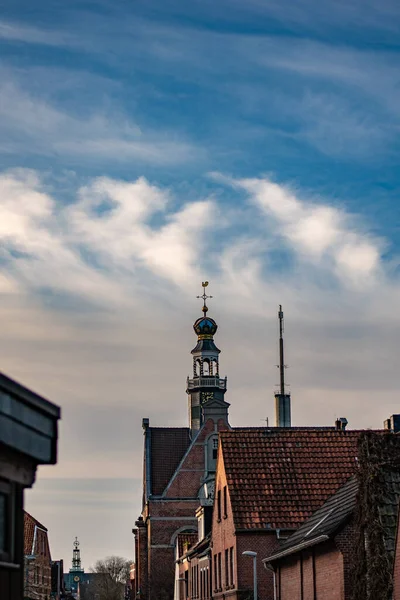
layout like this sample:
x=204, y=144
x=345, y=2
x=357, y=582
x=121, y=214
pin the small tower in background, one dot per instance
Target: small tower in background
x=76, y=576
x=206, y=389
x=282, y=398
x=76, y=557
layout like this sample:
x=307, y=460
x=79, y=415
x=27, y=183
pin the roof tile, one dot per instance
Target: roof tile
x=279, y=477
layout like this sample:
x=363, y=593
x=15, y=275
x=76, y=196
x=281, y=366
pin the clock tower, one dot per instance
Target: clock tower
x=206, y=389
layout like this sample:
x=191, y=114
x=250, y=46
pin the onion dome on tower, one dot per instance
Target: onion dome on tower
x=205, y=389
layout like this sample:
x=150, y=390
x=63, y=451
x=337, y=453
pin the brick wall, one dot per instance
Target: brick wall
x=37, y=568
x=224, y=537
x=329, y=572
x=289, y=579
x=345, y=541
x=316, y=574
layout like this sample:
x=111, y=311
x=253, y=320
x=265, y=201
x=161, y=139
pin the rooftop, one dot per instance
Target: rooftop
x=277, y=477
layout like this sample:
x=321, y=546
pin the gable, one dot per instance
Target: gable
x=167, y=446
x=189, y=475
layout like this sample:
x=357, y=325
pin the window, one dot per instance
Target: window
x=206, y=367
x=219, y=505
x=215, y=574
x=215, y=448
x=225, y=503
x=197, y=368
x=219, y=571
x=36, y=576
x=211, y=453
x=226, y=568
x=231, y=568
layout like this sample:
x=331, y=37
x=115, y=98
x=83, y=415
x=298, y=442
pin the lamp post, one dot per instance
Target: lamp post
x=254, y=557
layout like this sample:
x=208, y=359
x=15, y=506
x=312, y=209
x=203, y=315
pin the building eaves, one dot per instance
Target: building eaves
x=324, y=523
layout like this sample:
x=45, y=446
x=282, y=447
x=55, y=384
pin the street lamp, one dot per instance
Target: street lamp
x=254, y=557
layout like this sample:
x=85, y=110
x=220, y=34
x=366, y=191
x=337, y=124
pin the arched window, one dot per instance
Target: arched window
x=214, y=367
x=206, y=367
x=197, y=368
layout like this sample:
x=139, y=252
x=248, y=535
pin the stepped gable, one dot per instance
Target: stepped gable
x=168, y=446
x=277, y=477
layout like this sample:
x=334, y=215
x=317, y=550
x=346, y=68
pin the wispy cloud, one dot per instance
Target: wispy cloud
x=319, y=232
x=34, y=125
x=17, y=31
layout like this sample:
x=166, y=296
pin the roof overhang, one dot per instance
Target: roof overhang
x=294, y=549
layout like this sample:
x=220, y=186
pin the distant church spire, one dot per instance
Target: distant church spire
x=206, y=389
x=282, y=398
x=76, y=557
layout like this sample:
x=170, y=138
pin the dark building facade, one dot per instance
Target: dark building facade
x=28, y=438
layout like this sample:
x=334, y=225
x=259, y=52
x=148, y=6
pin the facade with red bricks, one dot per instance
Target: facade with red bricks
x=349, y=548
x=268, y=481
x=316, y=561
x=37, y=567
x=179, y=470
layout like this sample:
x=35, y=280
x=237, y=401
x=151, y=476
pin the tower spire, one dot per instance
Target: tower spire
x=204, y=297
x=282, y=398
x=206, y=388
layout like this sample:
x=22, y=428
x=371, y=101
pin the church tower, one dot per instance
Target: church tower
x=76, y=576
x=206, y=389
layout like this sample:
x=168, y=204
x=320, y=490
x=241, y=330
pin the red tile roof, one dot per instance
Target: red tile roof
x=168, y=446
x=29, y=533
x=278, y=477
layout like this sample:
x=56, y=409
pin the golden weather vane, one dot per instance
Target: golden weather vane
x=204, y=297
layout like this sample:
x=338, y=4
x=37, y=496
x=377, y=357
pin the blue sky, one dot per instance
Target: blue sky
x=145, y=146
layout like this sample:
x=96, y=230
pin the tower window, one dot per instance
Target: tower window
x=206, y=367
x=215, y=448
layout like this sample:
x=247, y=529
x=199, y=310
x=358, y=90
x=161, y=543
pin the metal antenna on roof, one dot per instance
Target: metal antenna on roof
x=204, y=297
x=282, y=398
x=281, y=359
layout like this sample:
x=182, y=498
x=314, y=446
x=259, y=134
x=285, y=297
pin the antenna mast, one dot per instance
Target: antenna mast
x=282, y=398
x=281, y=357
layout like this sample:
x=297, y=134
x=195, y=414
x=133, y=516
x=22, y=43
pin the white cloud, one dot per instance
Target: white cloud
x=317, y=232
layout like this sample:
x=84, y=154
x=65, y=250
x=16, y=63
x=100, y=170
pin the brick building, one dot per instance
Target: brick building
x=37, y=564
x=193, y=577
x=349, y=549
x=179, y=469
x=316, y=561
x=268, y=481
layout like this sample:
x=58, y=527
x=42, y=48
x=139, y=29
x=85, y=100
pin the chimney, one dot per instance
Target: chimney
x=392, y=424
x=145, y=423
x=341, y=424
